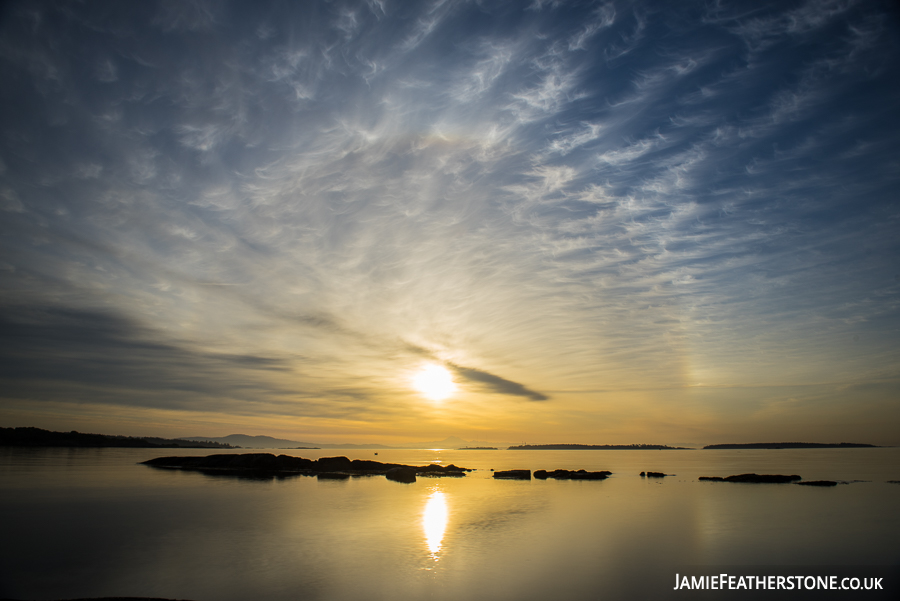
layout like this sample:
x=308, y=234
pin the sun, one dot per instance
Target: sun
x=434, y=382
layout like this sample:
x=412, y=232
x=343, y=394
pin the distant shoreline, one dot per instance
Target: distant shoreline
x=793, y=445
x=36, y=437
x=600, y=447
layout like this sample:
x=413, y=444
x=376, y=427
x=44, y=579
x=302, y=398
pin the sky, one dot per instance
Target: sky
x=609, y=222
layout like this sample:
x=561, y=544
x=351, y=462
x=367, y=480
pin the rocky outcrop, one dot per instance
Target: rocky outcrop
x=434, y=470
x=266, y=465
x=755, y=478
x=571, y=475
x=818, y=483
x=655, y=474
x=513, y=475
x=401, y=474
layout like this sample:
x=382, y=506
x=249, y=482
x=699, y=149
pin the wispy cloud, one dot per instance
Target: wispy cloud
x=556, y=201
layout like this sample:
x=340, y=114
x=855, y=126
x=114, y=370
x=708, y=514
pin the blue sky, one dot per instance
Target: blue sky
x=611, y=222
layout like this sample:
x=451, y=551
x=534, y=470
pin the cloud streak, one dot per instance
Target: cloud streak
x=496, y=383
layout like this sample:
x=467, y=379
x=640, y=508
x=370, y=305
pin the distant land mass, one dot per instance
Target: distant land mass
x=36, y=437
x=267, y=442
x=254, y=442
x=566, y=447
x=791, y=445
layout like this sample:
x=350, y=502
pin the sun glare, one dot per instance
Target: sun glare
x=434, y=382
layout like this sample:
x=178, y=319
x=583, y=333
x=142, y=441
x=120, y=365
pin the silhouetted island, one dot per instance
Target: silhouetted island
x=576, y=447
x=36, y=437
x=792, y=445
x=513, y=475
x=267, y=465
x=113, y=599
x=754, y=478
x=477, y=449
x=572, y=475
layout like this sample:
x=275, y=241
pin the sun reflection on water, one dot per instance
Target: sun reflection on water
x=434, y=521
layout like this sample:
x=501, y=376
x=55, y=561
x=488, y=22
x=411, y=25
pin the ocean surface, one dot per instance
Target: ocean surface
x=93, y=523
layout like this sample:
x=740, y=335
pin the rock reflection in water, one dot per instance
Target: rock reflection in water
x=434, y=521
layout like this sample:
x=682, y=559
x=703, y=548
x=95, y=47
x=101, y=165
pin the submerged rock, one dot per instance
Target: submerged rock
x=754, y=478
x=513, y=475
x=818, y=483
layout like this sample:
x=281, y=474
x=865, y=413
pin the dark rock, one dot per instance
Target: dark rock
x=755, y=478
x=763, y=478
x=444, y=474
x=266, y=466
x=513, y=475
x=578, y=475
x=288, y=463
x=656, y=474
x=337, y=464
x=818, y=483
x=558, y=474
x=643, y=474
x=434, y=470
x=571, y=475
x=401, y=474
x=256, y=466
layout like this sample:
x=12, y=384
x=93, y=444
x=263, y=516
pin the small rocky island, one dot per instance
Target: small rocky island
x=754, y=478
x=267, y=465
x=555, y=474
x=572, y=475
x=769, y=479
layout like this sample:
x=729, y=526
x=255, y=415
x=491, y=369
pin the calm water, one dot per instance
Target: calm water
x=91, y=523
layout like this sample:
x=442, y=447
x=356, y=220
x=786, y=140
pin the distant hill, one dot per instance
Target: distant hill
x=267, y=442
x=791, y=445
x=36, y=437
x=255, y=442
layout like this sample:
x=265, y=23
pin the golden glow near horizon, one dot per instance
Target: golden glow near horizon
x=434, y=382
x=434, y=521
x=493, y=251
